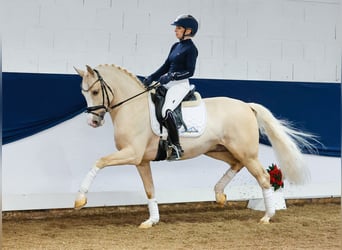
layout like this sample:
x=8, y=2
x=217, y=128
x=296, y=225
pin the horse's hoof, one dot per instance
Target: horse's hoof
x=221, y=199
x=265, y=220
x=80, y=201
x=147, y=224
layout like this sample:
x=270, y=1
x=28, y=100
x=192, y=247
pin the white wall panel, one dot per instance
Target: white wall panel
x=120, y=41
x=326, y=72
x=314, y=51
x=229, y=49
x=235, y=69
x=259, y=49
x=70, y=40
x=321, y=13
x=109, y=19
x=213, y=66
x=259, y=70
x=277, y=32
x=39, y=38
x=48, y=59
x=97, y=3
x=333, y=50
x=212, y=22
x=135, y=21
x=19, y=60
x=146, y=46
x=97, y=41
x=304, y=71
x=74, y=4
x=205, y=46
x=292, y=50
x=282, y=71
x=293, y=10
x=19, y=14
x=235, y=27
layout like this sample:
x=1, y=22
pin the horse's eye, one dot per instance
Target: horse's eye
x=95, y=92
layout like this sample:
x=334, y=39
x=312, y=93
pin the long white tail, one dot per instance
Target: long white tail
x=285, y=141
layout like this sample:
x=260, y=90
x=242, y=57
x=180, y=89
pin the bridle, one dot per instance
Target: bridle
x=104, y=89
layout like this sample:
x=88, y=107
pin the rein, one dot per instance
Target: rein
x=120, y=103
x=104, y=87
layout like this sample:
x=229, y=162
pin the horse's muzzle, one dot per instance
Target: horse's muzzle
x=95, y=121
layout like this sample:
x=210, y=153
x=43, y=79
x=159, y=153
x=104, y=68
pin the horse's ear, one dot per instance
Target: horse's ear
x=90, y=70
x=79, y=71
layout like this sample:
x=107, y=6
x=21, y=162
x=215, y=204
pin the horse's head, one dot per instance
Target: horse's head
x=98, y=95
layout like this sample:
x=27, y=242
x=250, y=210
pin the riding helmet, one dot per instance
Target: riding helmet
x=187, y=22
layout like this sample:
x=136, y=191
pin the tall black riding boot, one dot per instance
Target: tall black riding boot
x=170, y=124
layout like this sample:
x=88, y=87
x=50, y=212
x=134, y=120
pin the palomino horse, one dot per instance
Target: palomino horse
x=231, y=135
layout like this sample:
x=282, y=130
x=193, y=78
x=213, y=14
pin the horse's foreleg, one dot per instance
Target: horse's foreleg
x=125, y=156
x=81, y=199
x=144, y=170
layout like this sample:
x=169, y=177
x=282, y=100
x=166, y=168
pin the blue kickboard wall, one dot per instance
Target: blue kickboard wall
x=33, y=102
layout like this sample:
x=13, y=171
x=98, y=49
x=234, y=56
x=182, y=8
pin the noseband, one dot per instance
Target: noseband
x=104, y=89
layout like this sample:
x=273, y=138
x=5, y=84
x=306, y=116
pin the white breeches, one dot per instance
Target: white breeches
x=176, y=91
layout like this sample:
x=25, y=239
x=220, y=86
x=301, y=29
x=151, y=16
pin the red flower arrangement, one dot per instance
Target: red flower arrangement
x=276, y=177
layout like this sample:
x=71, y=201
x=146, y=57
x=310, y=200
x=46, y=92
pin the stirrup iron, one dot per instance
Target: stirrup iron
x=176, y=153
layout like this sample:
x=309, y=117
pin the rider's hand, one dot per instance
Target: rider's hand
x=164, y=79
x=147, y=81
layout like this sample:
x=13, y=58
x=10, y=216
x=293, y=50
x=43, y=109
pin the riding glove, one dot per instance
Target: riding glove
x=166, y=78
x=147, y=81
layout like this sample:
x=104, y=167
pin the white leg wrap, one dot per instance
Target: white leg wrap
x=269, y=201
x=88, y=180
x=154, y=211
x=224, y=181
x=154, y=214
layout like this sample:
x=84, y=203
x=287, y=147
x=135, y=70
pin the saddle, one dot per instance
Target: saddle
x=192, y=99
x=158, y=98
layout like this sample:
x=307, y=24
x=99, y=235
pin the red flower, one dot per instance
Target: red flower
x=276, y=176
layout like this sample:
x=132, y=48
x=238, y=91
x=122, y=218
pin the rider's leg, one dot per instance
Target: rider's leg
x=177, y=90
x=170, y=124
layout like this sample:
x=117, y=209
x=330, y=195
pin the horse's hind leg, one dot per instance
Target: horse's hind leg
x=263, y=178
x=220, y=196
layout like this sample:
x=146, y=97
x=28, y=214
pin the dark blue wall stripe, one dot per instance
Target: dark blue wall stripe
x=312, y=107
x=34, y=102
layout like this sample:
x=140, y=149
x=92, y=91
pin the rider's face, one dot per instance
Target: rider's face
x=179, y=30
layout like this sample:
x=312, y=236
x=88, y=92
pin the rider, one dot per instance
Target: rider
x=173, y=75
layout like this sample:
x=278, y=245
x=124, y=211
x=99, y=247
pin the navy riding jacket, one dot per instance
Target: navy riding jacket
x=181, y=61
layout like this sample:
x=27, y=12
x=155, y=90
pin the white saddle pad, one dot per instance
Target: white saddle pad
x=194, y=116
